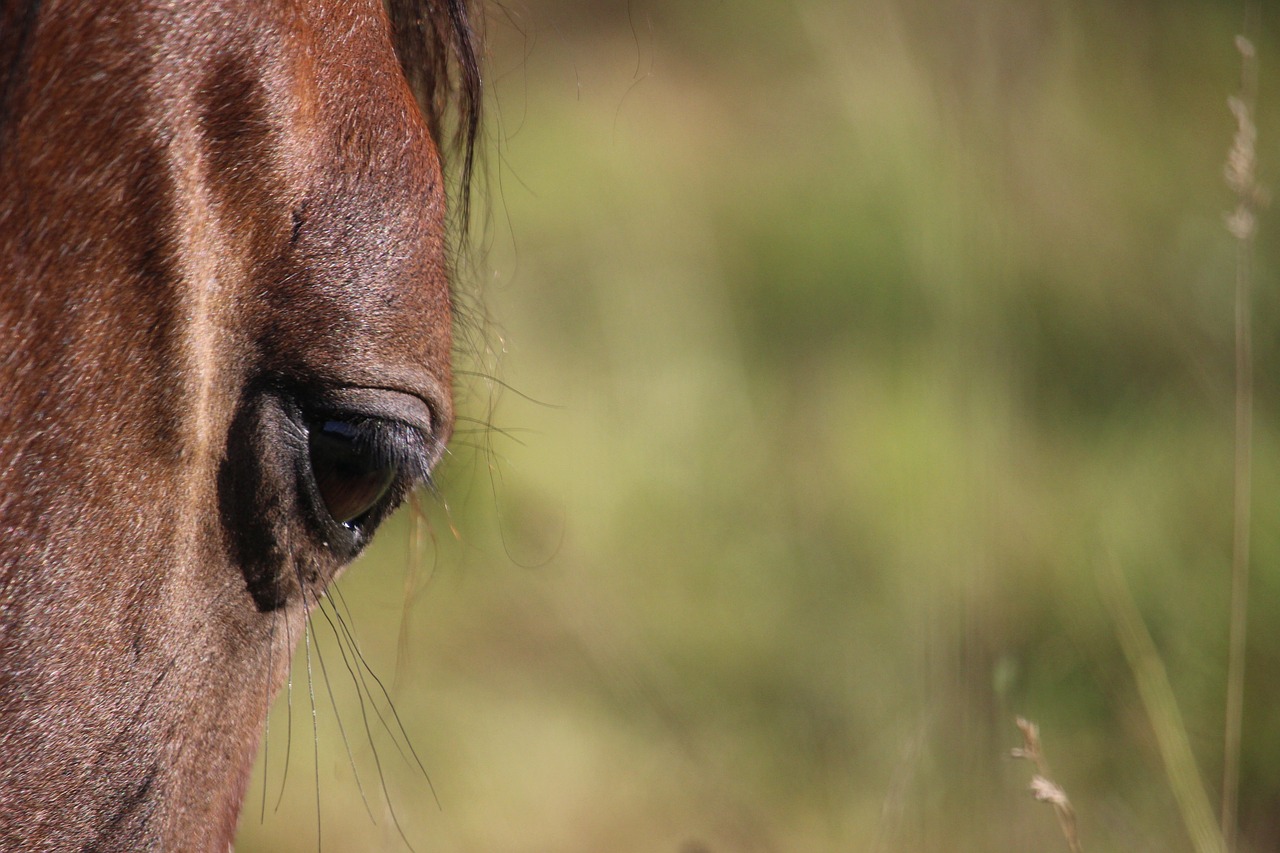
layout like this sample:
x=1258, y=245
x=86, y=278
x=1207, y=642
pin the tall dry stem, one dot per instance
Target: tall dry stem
x=1241, y=176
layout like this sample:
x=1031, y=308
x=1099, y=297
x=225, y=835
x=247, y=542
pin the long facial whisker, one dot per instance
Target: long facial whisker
x=361, y=689
x=506, y=386
x=346, y=743
x=361, y=667
x=271, y=668
x=266, y=735
x=311, y=693
x=288, y=731
x=338, y=598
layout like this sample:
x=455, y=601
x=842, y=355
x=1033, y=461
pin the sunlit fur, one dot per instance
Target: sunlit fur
x=210, y=212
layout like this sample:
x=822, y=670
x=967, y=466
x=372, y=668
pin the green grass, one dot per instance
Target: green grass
x=865, y=331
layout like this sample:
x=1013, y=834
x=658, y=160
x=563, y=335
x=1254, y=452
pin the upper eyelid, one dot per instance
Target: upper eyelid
x=416, y=455
x=423, y=397
x=379, y=403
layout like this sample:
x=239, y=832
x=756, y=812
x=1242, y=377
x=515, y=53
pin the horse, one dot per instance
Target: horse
x=226, y=321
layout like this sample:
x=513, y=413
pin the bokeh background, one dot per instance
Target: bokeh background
x=824, y=363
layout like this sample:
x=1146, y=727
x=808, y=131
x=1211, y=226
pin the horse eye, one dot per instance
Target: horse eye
x=350, y=476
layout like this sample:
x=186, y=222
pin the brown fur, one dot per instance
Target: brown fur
x=211, y=215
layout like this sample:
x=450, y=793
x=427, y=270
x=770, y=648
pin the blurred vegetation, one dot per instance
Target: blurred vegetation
x=823, y=355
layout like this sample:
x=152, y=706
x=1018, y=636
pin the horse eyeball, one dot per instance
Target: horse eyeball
x=350, y=476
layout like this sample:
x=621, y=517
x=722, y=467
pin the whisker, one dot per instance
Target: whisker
x=315, y=731
x=362, y=666
x=506, y=386
x=338, y=598
x=361, y=690
x=490, y=429
x=324, y=672
x=495, y=477
x=288, y=731
x=311, y=694
x=266, y=735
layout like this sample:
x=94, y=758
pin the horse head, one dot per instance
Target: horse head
x=225, y=315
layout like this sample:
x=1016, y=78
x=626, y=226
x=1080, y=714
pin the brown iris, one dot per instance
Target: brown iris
x=350, y=475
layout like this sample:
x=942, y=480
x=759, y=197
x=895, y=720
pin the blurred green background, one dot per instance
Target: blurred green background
x=819, y=358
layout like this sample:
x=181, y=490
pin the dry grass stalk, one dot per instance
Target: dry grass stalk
x=1042, y=785
x=1241, y=176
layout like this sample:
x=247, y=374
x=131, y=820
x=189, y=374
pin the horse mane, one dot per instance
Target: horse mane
x=438, y=48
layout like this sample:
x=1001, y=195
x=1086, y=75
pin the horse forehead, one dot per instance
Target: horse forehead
x=322, y=79
x=325, y=135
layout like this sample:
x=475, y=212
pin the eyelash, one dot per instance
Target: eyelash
x=362, y=466
x=389, y=442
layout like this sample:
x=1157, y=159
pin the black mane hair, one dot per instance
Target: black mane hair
x=438, y=48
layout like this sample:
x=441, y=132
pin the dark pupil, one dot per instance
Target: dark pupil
x=350, y=478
